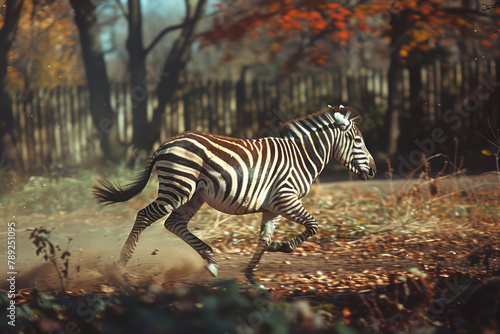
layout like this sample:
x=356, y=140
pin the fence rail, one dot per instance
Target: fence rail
x=55, y=125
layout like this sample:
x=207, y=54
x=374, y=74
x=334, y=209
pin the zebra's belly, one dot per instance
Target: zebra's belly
x=232, y=204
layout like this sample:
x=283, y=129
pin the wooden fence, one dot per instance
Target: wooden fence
x=55, y=126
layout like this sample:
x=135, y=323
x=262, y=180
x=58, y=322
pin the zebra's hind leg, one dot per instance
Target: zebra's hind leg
x=268, y=224
x=177, y=224
x=297, y=213
x=145, y=218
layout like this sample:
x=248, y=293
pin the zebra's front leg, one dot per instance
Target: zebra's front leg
x=297, y=213
x=268, y=224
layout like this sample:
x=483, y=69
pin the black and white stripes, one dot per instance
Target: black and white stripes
x=239, y=176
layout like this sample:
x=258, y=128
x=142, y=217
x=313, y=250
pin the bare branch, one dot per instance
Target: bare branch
x=188, y=9
x=122, y=9
x=160, y=36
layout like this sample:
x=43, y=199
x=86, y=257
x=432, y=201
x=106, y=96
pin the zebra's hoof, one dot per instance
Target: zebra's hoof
x=275, y=246
x=121, y=275
x=212, y=268
x=129, y=278
x=119, y=264
x=263, y=290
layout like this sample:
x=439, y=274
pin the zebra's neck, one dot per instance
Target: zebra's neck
x=314, y=136
x=317, y=148
x=304, y=125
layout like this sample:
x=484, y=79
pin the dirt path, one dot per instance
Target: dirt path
x=97, y=237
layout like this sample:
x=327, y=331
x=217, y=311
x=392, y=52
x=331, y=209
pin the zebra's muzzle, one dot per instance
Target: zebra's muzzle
x=366, y=174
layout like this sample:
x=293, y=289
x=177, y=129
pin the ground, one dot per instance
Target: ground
x=372, y=235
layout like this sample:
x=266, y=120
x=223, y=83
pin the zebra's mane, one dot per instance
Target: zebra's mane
x=318, y=120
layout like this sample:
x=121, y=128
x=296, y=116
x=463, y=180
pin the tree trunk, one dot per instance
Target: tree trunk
x=103, y=116
x=8, y=152
x=395, y=82
x=396, y=98
x=137, y=68
x=416, y=121
x=174, y=67
x=495, y=110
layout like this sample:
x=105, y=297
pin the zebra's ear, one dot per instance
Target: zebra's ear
x=341, y=121
x=333, y=108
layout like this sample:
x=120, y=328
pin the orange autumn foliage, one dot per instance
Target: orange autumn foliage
x=44, y=51
x=410, y=26
x=285, y=22
x=415, y=26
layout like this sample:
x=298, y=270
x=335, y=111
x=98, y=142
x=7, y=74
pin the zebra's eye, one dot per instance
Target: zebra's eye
x=357, y=140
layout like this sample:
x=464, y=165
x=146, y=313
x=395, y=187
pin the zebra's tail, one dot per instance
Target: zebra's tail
x=108, y=192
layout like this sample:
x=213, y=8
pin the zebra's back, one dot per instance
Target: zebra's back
x=236, y=176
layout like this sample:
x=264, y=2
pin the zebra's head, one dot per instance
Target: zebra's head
x=350, y=150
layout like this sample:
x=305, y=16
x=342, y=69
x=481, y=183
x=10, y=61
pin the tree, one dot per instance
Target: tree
x=103, y=116
x=8, y=152
x=45, y=47
x=137, y=69
x=306, y=31
x=292, y=35
x=168, y=80
x=415, y=30
x=175, y=63
x=303, y=30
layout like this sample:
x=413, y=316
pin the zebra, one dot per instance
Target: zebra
x=240, y=176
